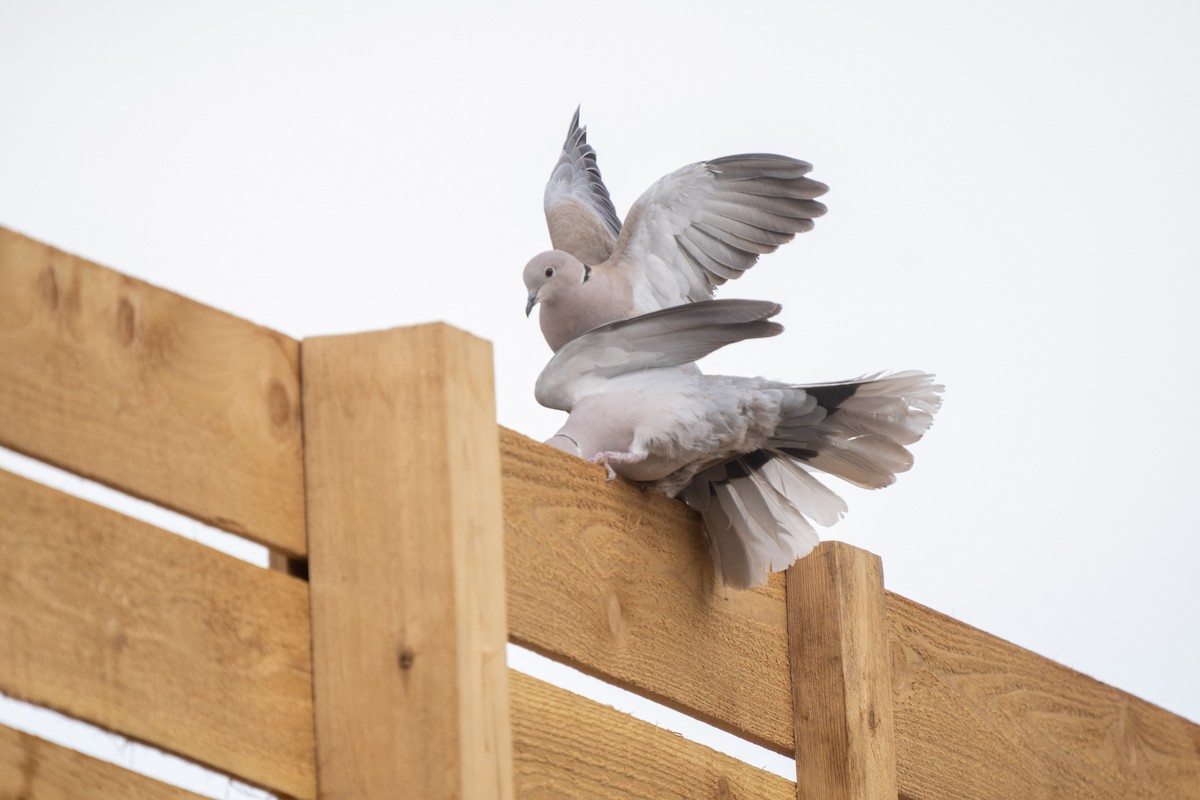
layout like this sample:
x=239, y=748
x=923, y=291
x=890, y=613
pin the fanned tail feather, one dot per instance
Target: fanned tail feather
x=863, y=437
x=759, y=508
x=755, y=515
x=798, y=486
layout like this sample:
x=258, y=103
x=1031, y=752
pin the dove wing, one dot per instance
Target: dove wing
x=662, y=339
x=708, y=222
x=579, y=212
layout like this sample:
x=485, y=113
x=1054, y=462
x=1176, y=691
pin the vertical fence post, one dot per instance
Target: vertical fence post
x=406, y=566
x=841, y=676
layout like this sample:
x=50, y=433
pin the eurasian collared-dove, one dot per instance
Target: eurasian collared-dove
x=688, y=233
x=739, y=450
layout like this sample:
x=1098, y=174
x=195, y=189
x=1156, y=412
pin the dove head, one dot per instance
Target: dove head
x=575, y=298
x=552, y=277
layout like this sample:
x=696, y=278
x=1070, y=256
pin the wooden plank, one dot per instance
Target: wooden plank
x=841, y=676
x=570, y=748
x=979, y=717
x=154, y=636
x=151, y=393
x=34, y=769
x=619, y=583
x=406, y=565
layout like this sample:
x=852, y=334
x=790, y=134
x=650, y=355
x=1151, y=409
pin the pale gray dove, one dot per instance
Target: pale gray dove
x=687, y=234
x=738, y=450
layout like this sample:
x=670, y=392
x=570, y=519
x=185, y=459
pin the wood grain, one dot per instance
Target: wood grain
x=570, y=748
x=34, y=769
x=166, y=641
x=406, y=566
x=841, y=676
x=979, y=717
x=150, y=393
x=619, y=583
x=156, y=637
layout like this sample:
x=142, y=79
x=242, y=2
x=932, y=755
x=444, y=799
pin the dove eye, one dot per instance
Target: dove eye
x=549, y=271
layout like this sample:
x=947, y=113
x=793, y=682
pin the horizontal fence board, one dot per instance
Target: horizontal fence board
x=150, y=393
x=568, y=747
x=34, y=769
x=619, y=582
x=979, y=717
x=155, y=637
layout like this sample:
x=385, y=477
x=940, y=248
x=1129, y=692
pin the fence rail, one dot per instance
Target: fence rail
x=34, y=768
x=432, y=536
x=155, y=637
x=151, y=393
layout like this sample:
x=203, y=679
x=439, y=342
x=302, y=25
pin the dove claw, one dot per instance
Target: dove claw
x=607, y=458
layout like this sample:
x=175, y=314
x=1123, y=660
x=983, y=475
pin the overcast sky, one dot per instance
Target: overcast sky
x=1012, y=206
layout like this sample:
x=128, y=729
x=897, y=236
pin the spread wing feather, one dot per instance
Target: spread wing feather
x=710, y=221
x=668, y=338
x=579, y=211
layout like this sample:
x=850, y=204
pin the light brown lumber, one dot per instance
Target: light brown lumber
x=150, y=393
x=619, y=583
x=34, y=769
x=841, y=676
x=568, y=747
x=155, y=637
x=406, y=566
x=979, y=717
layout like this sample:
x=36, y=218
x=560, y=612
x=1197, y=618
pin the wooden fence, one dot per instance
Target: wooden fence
x=411, y=539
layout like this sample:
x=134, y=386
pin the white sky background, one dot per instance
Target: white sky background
x=1012, y=205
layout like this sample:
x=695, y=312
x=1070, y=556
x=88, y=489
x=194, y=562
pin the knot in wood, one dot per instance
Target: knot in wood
x=278, y=405
x=125, y=321
x=616, y=622
x=48, y=284
x=407, y=657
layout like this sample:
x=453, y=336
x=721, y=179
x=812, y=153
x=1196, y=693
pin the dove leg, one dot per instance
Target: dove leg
x=607, y=458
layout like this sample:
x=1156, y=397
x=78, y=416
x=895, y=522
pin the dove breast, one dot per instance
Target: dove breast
x=678, y=420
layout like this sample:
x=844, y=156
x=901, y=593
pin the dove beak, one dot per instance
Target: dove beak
x=533, y=298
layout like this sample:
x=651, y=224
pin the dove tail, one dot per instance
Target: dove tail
x=757, y=510
x=862, y=438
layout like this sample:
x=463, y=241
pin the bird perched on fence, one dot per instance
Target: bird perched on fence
x=739, y=450
x=688, y=233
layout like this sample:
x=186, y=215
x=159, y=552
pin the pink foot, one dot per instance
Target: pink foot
x=607, y=458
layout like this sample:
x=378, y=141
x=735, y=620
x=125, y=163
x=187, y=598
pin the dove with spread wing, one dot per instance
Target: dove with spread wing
x=691, y=231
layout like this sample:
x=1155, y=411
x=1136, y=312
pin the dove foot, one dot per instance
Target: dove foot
x=607, y=458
